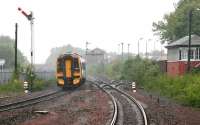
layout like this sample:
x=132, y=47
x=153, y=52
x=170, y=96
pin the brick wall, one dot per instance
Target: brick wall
x=173, y=68
x=179, y=67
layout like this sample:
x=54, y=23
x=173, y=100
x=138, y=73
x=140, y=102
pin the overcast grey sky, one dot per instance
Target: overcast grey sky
x=103, y=23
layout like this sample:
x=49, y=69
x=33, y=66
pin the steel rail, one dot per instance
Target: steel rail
x=132, y=99
x=115, y=107
x=27, y=102
x=141, y=109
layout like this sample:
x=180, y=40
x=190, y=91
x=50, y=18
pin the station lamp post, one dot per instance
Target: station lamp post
x=146, y=54
x=122, y=51
x=118, y=48
x=31, y=19
x=139, y=46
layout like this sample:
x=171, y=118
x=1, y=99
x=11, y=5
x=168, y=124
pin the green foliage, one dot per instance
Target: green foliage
x=113, y=69
x=56, y=52
x=7, y=52
x=196, y=70
x=14, y=87
x=184, y=89
x=139, y=70
x=116, y=69
x=30, y=75
x=41, y=84
x=175, y=25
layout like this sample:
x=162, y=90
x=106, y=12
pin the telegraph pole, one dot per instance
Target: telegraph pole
x=161, y=54
x=189, y=44
x=16, y=29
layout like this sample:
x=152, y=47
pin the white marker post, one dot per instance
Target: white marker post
x=134, y=87
x=26, y=86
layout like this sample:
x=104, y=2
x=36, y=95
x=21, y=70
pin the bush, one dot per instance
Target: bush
x=184, y=89
x=146, y=73
x=196, y=70
x=41, y=84
x=15, y=86
x=139, y=70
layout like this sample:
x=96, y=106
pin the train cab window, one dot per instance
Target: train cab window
x=59, y=67
x=76, y=63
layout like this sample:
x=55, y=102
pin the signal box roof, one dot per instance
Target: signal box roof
x=183, y=42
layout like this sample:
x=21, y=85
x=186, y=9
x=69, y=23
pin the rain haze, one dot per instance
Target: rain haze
x=103, y=23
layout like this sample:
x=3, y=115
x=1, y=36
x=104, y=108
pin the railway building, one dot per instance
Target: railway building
x=96, y=56
x=177, y=55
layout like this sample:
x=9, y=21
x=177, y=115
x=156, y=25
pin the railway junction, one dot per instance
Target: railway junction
x=97, y=102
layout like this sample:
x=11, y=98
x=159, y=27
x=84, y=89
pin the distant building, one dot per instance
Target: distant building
x=177, y=55
x=96, y=56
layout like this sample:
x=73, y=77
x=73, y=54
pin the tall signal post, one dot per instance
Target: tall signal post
x=86, y=49
x=86, y=53
x=31, y=19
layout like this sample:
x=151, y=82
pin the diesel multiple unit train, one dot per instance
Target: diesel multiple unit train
x=70, y=70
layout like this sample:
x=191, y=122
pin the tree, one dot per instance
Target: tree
x=139, y=70
x=56, y=52
x=175, y=25
x=7, y=52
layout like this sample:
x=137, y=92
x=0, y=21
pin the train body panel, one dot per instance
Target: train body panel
x=70, y=70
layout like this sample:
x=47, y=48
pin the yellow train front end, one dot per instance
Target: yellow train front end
x=70, y=70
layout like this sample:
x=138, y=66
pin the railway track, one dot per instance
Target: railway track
x=114, y=102
x=31, y=101
x=127, y=110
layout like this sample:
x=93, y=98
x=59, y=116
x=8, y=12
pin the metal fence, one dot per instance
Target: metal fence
x=5, y=76
x=45, y=75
